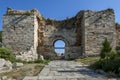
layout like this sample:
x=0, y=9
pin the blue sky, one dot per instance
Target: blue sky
x=60, y=9
x=59, y=43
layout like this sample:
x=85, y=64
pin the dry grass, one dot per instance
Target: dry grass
x=31, y=69
x=88, y=60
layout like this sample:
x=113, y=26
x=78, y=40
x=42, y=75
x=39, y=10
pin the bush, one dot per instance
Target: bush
x=106, y=49
x=112, y=54
x=109, y=59
x=102, y=54
x=111, y=66
x=97, y=65
x=7, y=54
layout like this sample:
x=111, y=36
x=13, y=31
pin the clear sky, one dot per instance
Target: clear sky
x=60, y=9
x=59, y=43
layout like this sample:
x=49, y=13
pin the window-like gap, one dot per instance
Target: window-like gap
x=59, y=47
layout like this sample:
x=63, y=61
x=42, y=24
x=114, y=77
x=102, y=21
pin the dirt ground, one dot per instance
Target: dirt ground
x=29, y=69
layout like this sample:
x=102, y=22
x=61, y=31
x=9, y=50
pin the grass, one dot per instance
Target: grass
x=112, y=68
x=29, y=69
x=88, y=60
x=37, y=61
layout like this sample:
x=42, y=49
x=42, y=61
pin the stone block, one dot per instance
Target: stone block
x=17, y=64
x=2, y=62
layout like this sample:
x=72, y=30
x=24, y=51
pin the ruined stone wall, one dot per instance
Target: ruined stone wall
x=28, y=33
x=20, y=33
x=65, y=30
x=118, y=34
x=98, y=26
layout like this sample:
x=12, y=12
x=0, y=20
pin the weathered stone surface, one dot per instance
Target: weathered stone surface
x=118, y=33
x=41, y=57
x=20, y=33
x=98, y=26
x=66, y=70
x=17, y=64
x=30, y=78
x=4, y=78
x=5, y=66
x=28, y=33
x=2, y=62
x=27, y=55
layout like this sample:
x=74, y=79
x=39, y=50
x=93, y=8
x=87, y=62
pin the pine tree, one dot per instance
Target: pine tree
x=105, y=50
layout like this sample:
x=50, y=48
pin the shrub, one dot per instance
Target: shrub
x=112, y=54
x=109, y=67
x=118, y=47
x=7, y=54
x=110, y=60
x=106, y=48
x=102, y=54
x=97, y=65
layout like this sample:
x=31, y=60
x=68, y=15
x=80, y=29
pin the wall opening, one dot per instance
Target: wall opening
x=59, y=47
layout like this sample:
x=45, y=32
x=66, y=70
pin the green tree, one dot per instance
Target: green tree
x=106, y=49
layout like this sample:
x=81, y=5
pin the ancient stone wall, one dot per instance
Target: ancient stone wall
x=98, y=26
x=118, y=34
x=20, y=33
x=28, y=33
x=65, y=30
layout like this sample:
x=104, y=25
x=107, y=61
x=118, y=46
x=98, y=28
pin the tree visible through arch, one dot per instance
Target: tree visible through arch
x=59, y=47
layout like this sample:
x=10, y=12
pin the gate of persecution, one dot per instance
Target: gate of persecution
x=29, y=34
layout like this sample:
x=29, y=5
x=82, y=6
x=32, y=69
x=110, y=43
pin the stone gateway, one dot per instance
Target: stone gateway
x=30, y=35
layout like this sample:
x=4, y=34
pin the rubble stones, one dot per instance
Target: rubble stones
x=5, y=65
x=2, y=62
x=17, y=64
x=41, y=57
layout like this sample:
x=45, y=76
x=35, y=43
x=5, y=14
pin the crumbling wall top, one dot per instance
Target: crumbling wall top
x=10, y=11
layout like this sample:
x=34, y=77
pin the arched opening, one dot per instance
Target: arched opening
x=59, y=47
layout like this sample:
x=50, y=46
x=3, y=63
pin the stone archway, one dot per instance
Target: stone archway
x=59, y=48
x=65, y=47
x=60, y=38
